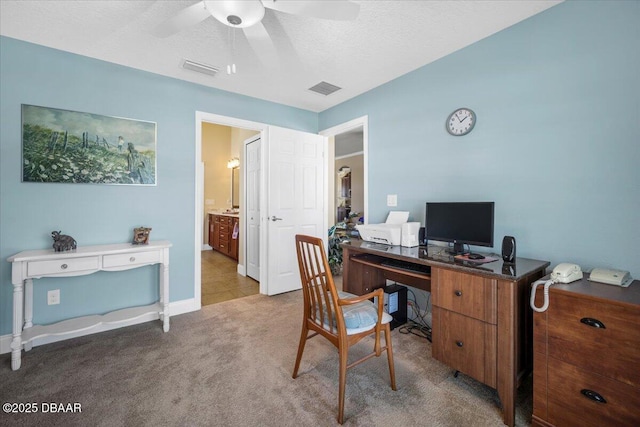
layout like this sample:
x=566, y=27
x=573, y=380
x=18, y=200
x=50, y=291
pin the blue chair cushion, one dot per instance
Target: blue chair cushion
x=361, y=316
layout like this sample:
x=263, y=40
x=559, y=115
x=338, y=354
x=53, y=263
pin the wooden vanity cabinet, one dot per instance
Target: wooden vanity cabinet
x=586, y=356
x=221, y=234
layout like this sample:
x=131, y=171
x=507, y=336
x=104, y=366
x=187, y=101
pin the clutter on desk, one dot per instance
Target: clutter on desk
x=394, y=231
x=486, y=259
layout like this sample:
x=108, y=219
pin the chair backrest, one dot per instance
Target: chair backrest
x=318, y=287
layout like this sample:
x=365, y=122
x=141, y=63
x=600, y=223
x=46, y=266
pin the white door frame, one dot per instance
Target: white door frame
x=342, y=128
x=203, y=117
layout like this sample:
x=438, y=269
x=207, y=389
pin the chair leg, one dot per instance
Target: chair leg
x=303, y=340
x=392, y=370
x=343, y=351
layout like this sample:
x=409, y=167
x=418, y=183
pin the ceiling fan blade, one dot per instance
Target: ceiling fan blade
x=337, y=10
x=186, y=18
x=262, y=44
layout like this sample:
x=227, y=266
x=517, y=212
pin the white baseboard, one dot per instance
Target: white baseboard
x=241, y=270
x=175, y=308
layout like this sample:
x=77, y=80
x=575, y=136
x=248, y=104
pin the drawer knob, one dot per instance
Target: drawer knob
x=593, y=395
x=459, y=343
x=458, y=293
x=593, y=322
x=132, y=259
x=64, y=266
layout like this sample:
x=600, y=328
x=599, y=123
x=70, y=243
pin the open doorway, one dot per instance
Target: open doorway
x=347, y=149
x=349, y=177
x=285, y=219
x=347, y=201
x=221, y=278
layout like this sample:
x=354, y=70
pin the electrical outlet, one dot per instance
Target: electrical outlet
x=53, y=297
x=392, y=200
x=210, y=202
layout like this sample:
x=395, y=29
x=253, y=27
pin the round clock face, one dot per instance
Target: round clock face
x=461, y=122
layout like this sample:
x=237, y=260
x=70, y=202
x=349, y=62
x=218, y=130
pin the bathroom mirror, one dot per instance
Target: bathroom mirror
x=235, y=187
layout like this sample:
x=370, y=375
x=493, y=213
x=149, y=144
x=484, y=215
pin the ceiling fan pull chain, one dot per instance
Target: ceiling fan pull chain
x=231, y=35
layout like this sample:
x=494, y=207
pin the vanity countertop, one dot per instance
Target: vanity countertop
x=234, y=215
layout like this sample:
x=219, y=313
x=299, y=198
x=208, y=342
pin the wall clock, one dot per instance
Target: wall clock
x=461, y=122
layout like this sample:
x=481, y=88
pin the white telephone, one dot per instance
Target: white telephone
x=563, y=273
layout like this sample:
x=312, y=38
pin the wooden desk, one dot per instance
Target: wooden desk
x=482, y=322
x=35, y=264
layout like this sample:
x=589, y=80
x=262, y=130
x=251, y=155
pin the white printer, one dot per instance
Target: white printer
x=394, y=231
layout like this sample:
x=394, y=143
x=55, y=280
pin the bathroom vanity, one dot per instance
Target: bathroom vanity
x=224, y=232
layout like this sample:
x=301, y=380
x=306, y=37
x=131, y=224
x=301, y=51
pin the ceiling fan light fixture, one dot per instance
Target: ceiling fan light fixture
x=236, y=14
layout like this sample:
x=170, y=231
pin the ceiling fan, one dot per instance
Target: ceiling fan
x=247, y=15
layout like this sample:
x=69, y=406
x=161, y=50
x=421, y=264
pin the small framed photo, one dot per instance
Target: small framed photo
x=141, y=235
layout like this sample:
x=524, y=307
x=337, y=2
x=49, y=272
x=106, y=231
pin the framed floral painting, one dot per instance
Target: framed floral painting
x=72, y=147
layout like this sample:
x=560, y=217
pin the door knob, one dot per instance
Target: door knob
x=274, y=218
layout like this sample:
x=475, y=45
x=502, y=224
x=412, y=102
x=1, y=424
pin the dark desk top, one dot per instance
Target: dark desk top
x=438, y=257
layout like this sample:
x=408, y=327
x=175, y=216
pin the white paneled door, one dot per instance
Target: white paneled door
x=252, y=162
x=295, y=202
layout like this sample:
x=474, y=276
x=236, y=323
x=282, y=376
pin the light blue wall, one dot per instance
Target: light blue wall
x=101, y=214
x=556, y=145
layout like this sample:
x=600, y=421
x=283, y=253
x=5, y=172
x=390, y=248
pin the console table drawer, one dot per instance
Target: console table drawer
x=52, y=267
x=568, y=403
x=136, y=258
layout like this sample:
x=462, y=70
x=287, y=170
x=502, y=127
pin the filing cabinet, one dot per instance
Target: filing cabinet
x=586, y=356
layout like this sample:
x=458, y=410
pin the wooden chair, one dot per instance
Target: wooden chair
x=340, y=317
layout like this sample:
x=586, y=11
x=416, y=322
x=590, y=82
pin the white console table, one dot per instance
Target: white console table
x=36, y=264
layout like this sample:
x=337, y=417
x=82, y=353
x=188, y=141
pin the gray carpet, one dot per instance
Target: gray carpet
x=230, y=364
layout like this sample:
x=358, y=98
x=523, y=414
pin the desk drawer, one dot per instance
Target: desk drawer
x=466, y=294
x=612, y=350
x=61, y=266
x=134, y=258
x=465, y=344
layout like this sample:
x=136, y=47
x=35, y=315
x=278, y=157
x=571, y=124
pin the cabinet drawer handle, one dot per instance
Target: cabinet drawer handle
x=64, y=266
x=458, y=293
x=132, y=259
x=593, y=395
x=459, y=343
x=593, y=322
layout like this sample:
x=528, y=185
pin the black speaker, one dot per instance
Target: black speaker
x=421, y=237
x=509, y=249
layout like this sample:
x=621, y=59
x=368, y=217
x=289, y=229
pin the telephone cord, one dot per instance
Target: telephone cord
x=547, y=285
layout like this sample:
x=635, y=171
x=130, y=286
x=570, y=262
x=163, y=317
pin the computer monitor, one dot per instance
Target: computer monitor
x=461, y=223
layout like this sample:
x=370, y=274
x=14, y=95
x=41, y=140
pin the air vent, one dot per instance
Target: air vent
x=199, y=67
x=324, y=88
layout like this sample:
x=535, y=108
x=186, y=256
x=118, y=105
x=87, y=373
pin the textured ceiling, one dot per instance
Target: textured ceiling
x=387, y=40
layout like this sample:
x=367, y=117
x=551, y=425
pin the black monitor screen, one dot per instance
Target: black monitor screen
x=461, y=223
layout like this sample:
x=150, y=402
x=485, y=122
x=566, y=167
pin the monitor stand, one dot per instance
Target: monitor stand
x=458, y=249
